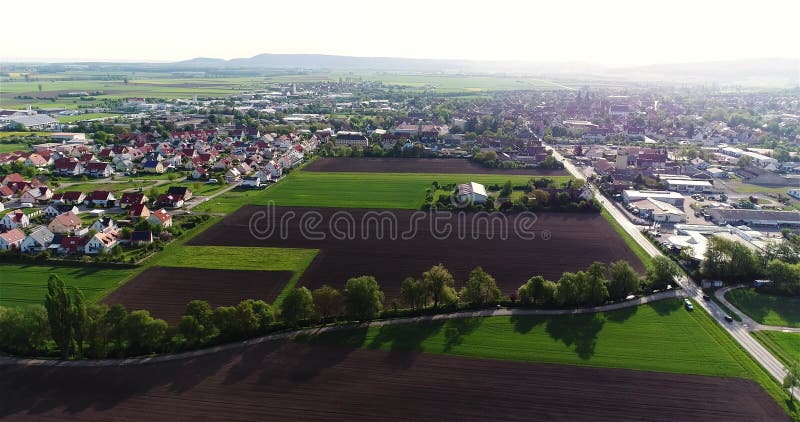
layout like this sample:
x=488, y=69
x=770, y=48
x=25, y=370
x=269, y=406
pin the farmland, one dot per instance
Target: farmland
x=351, y=190
x=165, y=291
x=420, y=165
x=575, y=241
x=82, y=117
x=13, y=147
x=766, y=309
x=27, y=284
x=785, y=346
x=291, y=381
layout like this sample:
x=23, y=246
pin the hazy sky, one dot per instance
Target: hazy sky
x=604, y=32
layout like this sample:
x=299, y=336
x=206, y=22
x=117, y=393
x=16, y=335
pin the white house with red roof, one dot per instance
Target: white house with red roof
x=15, y=219
x=160, y=218
x=65, y=223
x=100, y=198
x=11, y=239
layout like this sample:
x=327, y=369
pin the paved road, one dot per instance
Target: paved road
x=750, y=323
x=214, y=195
x=740, y=333
x=8, y=360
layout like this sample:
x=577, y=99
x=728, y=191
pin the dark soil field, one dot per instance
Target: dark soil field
x=165, y=291
x=574, y=241
x=416, y=165
x=289, y=381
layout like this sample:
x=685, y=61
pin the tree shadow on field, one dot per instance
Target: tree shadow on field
x=578, y=331
x=307, y=357
x=666, y=307
x=523, y=324
x=456, y=329
x=621, y=315
x=404, y=338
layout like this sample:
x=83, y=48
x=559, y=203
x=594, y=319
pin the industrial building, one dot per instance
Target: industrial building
x=672, y=198
x=689, y=186
x=659, y=211
x=754, y=217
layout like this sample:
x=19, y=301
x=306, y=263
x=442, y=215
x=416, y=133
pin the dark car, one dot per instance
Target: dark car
x=728, y=318
x=706, y=297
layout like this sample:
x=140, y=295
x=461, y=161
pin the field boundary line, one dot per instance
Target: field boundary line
x=10, y=360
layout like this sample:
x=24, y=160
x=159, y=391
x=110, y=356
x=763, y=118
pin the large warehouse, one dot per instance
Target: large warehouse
x=672, y=198
x=690, y=186
x=754, y=217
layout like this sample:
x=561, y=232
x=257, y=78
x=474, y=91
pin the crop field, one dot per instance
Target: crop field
x=393, y=245
x=766, y=309
x=165, y=291
x=27, y=284
x=14, y=147
x=420, y=165
x=352, y=190
x=291, y=381
x=785, y=346
x=22, y=134
x=82, y=117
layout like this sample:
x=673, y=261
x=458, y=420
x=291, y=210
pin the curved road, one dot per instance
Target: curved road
x=9, y=360
x=741, y=334
x=751, y=324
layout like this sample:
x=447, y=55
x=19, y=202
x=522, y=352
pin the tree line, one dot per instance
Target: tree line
x=69, y=327
x=733, y=262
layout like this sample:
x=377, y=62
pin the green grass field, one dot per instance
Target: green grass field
x=766, y=309
x=82, y=117
x=661, y=336
x=785, y=346
x=14, y=147
x=115, y=187
x=27, y=284
x=22, y=134
x=351, y=190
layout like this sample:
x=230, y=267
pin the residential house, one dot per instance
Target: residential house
x=232, y=175
x=36, y=160
x=472, y=193
x=99, y=169
x=183, y=191
x=275, y=170
x=67, y=166
x=263, y=176
x=12, y=178
x=15, y=219
x=40, y=195
x=103, y=225
x=160, y=218
x=11, y=239
x=199, y=173
x=65, y=223
x=251, y=182
x=69, y=198
x=154, y=166
x=38, y=241
x=139, y=211
x=6, y=192
x=169, y=200
x=100, y=243
x=71, y=245
x=132, y=198
x=101, y=198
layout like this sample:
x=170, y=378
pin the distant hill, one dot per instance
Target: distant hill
x=755, y=71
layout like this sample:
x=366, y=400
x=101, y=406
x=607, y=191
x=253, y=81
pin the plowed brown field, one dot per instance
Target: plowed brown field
x=288, y=382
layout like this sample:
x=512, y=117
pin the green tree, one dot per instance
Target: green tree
x=144, y=333
x=570, y=289
x=438, y=280
x=596, y=291
x=114, y=319
x=79, y=320
x=24, y=330
x=622, y=280
x=196, y=324
x=414, y=293
x=59, y=312
x=97, y=331
x=507, y=188
x=729, y=261
x=537, y=291
x=792, y=379
x=297, y=305
x=481, y=288
x=661, y=272
x=363, y=297
x=328, y=301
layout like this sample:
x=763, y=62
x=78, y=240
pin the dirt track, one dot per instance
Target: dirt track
x=576, y=240
x=166, y=291
x=416, y=165
x=280, y=381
